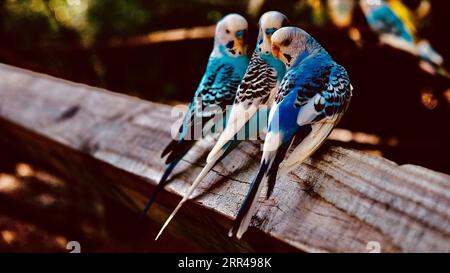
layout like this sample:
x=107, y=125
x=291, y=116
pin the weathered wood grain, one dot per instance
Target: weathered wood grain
x=337, y=201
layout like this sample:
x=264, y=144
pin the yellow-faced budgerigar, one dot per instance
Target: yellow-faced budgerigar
x=255, y=93
x=227, y=64
x=394, y=24
x=314, y=94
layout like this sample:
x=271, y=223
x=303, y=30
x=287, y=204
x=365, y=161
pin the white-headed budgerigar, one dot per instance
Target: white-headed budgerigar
x=227, y=64
x=255, y=93
x=314, y=94
x=260, y=83
x=394, y=24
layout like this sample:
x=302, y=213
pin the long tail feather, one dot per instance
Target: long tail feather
x=222, y=153
x=169, y=148
x=274, y=167
x=179, y=150
x=269, y=168
x=162, y=182
x=245, y=213
x=175, y=150
x=238, y=119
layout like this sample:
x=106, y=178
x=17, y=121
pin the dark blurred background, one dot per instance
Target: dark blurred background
x=398, y=110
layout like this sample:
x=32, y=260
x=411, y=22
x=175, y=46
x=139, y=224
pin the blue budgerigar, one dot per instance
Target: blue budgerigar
x=313, y=95
x=226, y=66
x=384, y=21
x=257, y=90
x=393, y=23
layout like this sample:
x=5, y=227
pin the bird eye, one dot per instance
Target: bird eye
x=227, y=31
x=286, y=42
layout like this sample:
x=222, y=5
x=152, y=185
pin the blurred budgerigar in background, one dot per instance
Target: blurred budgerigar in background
x=395, y=25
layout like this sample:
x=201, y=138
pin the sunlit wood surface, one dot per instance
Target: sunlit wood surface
x=162, y=36
x=339, y=200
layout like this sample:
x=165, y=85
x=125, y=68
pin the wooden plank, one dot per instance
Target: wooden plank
x=337, y=201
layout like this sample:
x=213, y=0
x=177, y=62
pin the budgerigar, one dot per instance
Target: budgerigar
x=226, y=66
x=395, y=27
x=384, y=21
x=314, y=94
x=256, y=90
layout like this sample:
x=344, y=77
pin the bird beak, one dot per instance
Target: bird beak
x=275, y=51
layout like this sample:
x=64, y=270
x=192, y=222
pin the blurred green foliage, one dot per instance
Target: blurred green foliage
x=117, y=18
x=38, y=22
x=45, y=21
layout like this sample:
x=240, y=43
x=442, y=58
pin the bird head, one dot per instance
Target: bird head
x=269, y=23
x=288, y=43
x=231, y=33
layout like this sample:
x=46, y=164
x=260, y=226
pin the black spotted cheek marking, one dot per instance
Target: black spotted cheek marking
x=230, y=46
x=288, y=58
